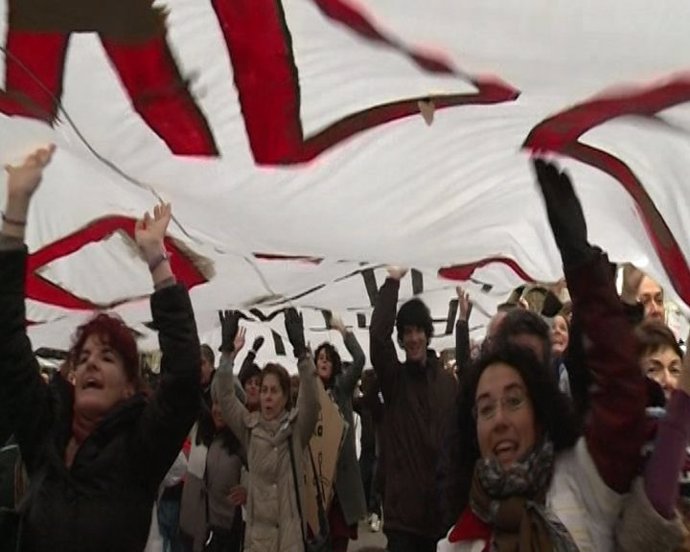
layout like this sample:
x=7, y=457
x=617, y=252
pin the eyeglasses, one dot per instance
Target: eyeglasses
x=486, y=408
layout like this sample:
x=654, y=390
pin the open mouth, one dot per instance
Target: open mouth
x=92, y=383
x=505, y=449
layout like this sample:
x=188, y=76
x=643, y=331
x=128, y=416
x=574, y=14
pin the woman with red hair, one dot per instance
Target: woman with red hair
x=95, y=451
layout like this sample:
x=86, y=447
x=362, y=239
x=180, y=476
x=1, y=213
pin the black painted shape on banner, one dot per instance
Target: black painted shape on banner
x=327, y=317
x=278, y=343
x=370, y=285
x=361, y=321
x=417, y=282
x=452, y=309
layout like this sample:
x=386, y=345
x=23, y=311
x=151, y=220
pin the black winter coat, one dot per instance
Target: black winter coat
x=103, y=502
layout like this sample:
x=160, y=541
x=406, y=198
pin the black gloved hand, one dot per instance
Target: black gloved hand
x=565, y=213
x=295, y=331
x=229, y=324
x=258, y=342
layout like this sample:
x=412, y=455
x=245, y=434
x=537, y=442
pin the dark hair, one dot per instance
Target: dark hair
x=207, y=354
x=552, y=409
x=333, y=356
x=248, y=371
x=523, y=322
x=207, y=432
x=283, y=380
x=654, y=335
x=229, y=441
x=414, y=313
x=111, y=330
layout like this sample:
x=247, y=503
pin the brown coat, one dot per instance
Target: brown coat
x=273, y=522
x=418, y=404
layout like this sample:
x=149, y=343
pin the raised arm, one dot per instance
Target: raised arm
x=174, y=407
x=24, y=393
x=349, y=376
x=308, y=405
x=223, y=392
x=382, y=352
x=462, y=330
x=614, y=428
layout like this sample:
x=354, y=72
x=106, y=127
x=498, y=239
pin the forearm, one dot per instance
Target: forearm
x=668, y=458
x=382, y=349
x=232, y=410
x=462, y=344
x=23, y=390
x=354, y=371
x=307, y=399
x=614, y=431
x=383, y=317
x=15, y=216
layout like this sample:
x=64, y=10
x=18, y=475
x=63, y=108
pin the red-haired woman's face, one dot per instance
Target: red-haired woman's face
x=100, y=380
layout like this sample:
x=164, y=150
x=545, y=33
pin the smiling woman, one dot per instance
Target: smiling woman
x=95, y=452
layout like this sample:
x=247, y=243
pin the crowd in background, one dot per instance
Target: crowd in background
x=564, y=430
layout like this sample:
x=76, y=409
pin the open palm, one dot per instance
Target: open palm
x=149, y=231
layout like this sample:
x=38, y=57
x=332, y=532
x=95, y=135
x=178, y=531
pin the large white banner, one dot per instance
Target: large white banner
x=304, y=143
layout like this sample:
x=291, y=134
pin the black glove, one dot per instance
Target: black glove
x=565, y=213
x=229, y=324
x=295, y=331
x=258, y=342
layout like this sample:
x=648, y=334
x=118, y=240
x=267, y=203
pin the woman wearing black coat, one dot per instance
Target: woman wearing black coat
x=97, y=451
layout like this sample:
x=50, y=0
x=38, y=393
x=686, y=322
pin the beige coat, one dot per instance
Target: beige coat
x=273, y=522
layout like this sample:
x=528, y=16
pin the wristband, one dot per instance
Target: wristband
x=158, y=260
x=12, y=221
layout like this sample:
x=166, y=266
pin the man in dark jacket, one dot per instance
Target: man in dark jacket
x=419, y=397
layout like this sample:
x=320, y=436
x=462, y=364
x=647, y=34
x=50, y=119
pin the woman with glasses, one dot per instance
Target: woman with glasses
x=534, y=483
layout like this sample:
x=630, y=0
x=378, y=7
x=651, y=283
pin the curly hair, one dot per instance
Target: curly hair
x=113, y=331
x=332, y=355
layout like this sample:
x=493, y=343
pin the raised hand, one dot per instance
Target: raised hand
x=464, y=304
x=229, y=324
x=295, y=330
x=338, y=324
x=23, y=180
x=240, y=339
x=564, y=211
x=396, y=272
x=149, y=232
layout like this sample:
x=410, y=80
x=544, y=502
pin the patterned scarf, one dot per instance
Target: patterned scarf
x=512, y=502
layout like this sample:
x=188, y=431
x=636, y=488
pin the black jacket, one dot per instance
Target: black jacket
x=103, y=502
x=419, y=405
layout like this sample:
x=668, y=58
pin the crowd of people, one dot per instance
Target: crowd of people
x=564, y=430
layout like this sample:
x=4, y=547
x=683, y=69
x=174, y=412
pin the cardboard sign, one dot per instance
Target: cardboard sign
x=324, y=446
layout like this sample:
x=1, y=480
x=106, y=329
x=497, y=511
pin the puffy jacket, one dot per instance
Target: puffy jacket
x=273, y=521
